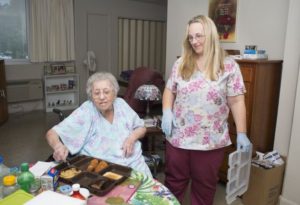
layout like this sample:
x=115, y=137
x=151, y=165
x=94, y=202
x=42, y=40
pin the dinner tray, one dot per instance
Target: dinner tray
x=100, y=181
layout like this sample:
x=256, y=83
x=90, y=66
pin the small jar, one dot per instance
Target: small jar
x=9, y=185
x=76, y=192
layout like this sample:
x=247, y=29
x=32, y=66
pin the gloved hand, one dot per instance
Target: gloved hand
x=167, y=121
x=243, y=142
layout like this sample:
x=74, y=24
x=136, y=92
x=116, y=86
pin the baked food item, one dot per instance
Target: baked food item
x=92, y=165
x=101, y=165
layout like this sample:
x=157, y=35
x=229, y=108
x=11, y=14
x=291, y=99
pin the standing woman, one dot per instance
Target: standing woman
x=204, y=85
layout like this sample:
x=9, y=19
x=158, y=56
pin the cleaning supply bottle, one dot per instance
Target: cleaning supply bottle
x=76, y=192
x=9, y=185
x=4, y=170
x=26, y=178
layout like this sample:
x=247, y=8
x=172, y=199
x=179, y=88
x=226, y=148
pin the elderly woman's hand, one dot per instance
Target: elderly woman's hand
x=128, y=145
x=60, y=152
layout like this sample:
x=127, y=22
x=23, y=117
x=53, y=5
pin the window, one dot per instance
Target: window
x=13, y=34
x=141, y=43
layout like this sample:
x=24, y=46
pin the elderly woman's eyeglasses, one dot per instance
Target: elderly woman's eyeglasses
x=197, y=37
x=101, y=93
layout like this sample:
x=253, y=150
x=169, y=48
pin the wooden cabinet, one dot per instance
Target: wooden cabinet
x=3, y=94
x=262, y=81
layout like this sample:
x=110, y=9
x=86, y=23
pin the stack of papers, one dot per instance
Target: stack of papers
x=39, y=168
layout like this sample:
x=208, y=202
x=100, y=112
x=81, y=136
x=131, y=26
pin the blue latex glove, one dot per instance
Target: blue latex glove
x=167, y=121
x=243, y=142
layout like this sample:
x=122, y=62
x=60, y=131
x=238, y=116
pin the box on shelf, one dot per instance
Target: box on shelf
x=264, y=185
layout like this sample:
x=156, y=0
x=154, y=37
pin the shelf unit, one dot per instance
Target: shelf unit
x=61, y=91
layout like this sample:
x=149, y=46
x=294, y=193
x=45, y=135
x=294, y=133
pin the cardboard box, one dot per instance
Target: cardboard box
x=49, y=181
x=264, y=186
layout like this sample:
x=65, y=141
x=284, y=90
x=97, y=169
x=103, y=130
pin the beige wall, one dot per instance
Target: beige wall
x=287, y=132
x=271, y=25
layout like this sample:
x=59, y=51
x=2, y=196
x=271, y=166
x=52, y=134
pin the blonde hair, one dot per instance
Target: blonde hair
x=213, y=54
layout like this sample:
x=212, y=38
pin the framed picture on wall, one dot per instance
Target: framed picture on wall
x=58, y=69
x=224, y=13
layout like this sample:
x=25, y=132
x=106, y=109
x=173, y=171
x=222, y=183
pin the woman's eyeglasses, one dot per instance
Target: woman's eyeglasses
x=103, y=93
x=197, y=37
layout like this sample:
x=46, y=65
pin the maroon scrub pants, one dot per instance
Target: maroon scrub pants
x=201, y=167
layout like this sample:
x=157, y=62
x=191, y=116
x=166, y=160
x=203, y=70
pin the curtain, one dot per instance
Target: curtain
x=141, y=43
x=51, y=30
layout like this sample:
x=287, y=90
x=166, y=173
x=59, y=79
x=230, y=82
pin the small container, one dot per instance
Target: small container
x=4, y=170
x=66, y=189
x=9, y=185
x=76, y=192
x=35, y=186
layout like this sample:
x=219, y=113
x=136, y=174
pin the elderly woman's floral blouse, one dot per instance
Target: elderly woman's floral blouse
x=201, y=109
x=87, y=132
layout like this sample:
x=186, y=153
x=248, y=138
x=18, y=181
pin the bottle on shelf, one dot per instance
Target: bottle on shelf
x=76, y=192
x=4, y=170
x=9, y=185
x=26, y=178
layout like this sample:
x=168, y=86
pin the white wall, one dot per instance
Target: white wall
x=262, y=23
x=271, y=25
x=287, y=132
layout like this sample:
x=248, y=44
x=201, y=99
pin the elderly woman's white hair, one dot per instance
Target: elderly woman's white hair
x=101, y=76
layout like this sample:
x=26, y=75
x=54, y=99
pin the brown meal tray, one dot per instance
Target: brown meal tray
x=98, y=183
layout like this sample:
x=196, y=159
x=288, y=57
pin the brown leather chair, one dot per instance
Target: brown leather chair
x=140, y=76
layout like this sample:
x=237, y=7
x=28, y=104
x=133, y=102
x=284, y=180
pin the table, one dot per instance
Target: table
x=151, y=192
x=151, y=133
x=138, y=189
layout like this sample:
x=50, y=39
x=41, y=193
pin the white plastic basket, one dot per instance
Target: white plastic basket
x=238, y=174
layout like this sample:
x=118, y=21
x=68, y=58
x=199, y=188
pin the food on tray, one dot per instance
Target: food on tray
x=101, y=165
x=98, y=185
x=112, y=175
x=93, y=164
x=69, y=173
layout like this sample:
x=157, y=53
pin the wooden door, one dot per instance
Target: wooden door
x=3, y=94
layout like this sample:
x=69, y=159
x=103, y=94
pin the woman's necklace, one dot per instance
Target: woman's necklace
x=200, y=66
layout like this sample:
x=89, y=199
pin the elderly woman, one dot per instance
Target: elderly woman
x=104, y=127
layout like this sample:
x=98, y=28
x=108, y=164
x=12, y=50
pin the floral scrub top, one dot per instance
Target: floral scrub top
x=200, y=107
x=87, y=132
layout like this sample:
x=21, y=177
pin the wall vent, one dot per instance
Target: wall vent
x=20, y=91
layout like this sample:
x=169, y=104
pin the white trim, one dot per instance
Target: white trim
x=284, y=201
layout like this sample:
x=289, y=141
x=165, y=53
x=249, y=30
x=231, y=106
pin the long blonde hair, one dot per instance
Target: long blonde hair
x=213, y=54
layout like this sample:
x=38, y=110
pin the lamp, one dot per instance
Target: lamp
x=148, y=92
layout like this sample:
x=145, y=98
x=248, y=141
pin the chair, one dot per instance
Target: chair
x=140, y=76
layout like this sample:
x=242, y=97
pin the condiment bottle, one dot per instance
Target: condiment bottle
x=76, y=192
x=9, y=185
x=26, y=178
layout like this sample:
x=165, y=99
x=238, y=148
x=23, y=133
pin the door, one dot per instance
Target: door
x=98, y=39
x=3, y=94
